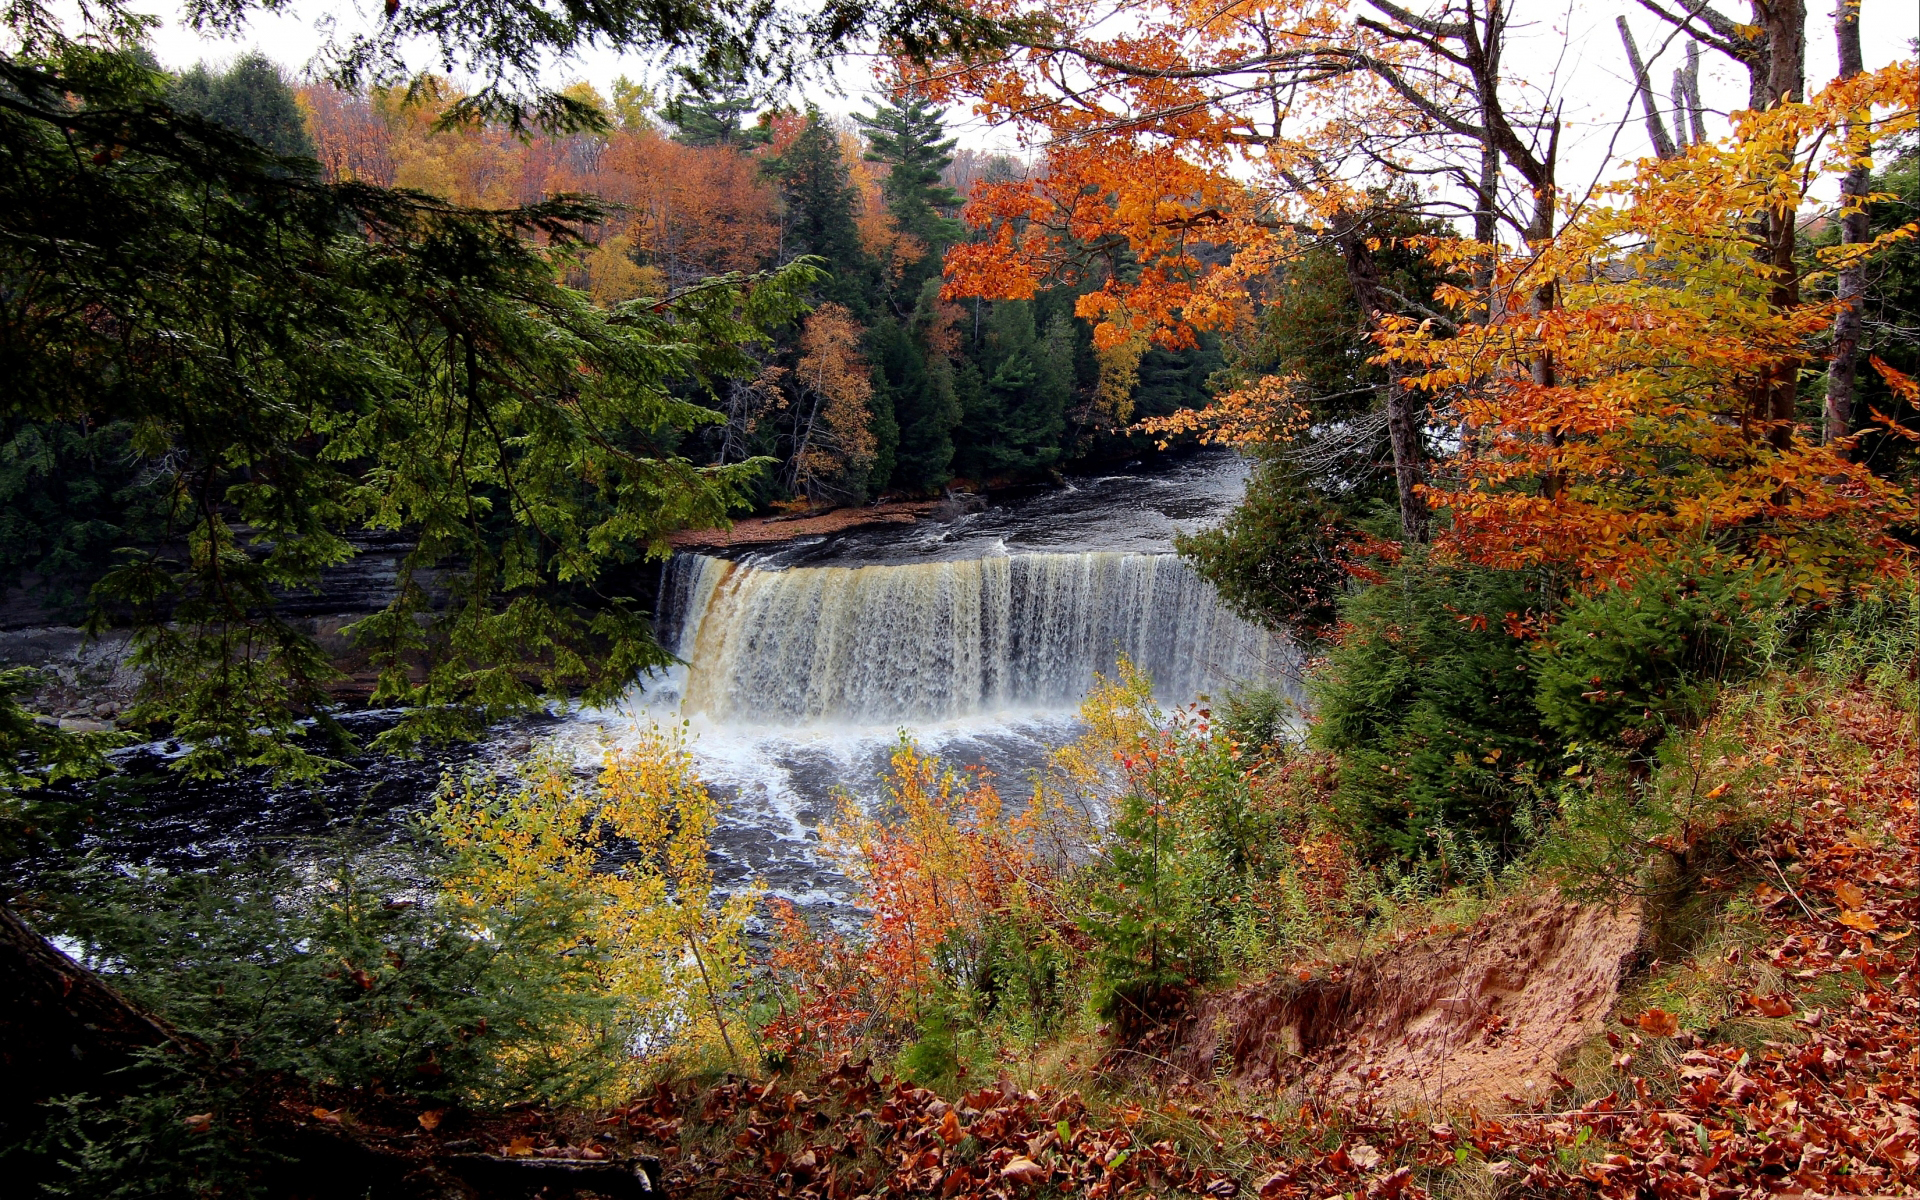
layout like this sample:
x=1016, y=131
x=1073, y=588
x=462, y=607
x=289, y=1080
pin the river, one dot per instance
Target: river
x=805, y=661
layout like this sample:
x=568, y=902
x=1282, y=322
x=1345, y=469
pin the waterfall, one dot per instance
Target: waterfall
x=872, y=644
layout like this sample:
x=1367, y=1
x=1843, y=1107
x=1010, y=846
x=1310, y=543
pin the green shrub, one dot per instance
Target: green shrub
x=1182, y=844
x=1258, y=716
x=1625, y=665
x=1427, y=697
x=335, y=980
x=345, y=979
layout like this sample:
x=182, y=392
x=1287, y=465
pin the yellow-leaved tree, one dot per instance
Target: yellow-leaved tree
x=632, y=843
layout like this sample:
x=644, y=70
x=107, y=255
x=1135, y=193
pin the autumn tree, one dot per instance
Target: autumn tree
x=834, y=444
x=1645, y=442
x=1191, y=154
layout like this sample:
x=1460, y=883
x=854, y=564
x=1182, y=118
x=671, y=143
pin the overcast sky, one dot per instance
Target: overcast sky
x=1567, y=47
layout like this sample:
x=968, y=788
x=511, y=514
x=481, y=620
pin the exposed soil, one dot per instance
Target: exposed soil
x=762, y=531
x=1479, y=1017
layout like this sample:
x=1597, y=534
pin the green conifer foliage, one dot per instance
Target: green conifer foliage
x=908, y=136
x=251, y=98
x=296, y=361
x=820, y=204
x=1428, y=698
x=711, y=107
x=1275, y=558
x=920, y=396
x=1014, y=422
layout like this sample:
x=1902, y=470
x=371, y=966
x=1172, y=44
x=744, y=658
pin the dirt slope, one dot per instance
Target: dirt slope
x=1463, y=1019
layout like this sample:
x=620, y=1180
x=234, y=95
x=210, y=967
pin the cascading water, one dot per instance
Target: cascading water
x=936, y=641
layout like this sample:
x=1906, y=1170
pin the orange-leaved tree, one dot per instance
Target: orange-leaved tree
x=1193, y=151
x=1647, y=440
x=938, y=867
x=834, y=442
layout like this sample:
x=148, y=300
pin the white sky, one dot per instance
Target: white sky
x=1574, y=48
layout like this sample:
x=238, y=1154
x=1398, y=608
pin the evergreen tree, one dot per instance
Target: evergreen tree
x=710, y=109
x=289, y=361
x=250, y=98
x=907, y=136
x=820, y=204
x=1015, y=419
x=921, y=401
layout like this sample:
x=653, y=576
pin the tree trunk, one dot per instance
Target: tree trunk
x=62, y=1030
x=1854, y=231
x=1663, y=145
x=1785, y=23
x=1406, y=416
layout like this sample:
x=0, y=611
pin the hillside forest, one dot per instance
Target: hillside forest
x=893, y=389
x=1574, y=852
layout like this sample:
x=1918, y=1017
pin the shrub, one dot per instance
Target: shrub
x=1184, y=835
x=1627, y=664
x=344, y=980
x=1258, y=716
x=1427, y=699
x=632, y=847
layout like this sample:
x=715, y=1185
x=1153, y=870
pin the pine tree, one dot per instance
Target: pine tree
x=711, y=108
x=920, y=399
x=907, y=136
x=1015, y=421
x=820, y=204
x=250, y=98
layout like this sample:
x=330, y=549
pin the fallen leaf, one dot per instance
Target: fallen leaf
x=1659, y=1022
x=1770, y=1006
x=950, y=1132
x=1364, y=1156
x=325, y=1115
x=520, y=1147
x=1859, y=920
x=197, y=1123
x=1021, y=1169
x=430, y=1119
x=1848, y=895
x=1390, y=1185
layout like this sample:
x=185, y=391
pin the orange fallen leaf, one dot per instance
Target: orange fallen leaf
x=325, y=1115
x=197, y=1123
x=1770, y=1006
x=1848, y=895
x=520, y=1146
x=1659, y=1023
x=950, y=1128
x=430, y=1119
x=1859, y=920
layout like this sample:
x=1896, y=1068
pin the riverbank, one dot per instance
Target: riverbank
x=768, y=531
